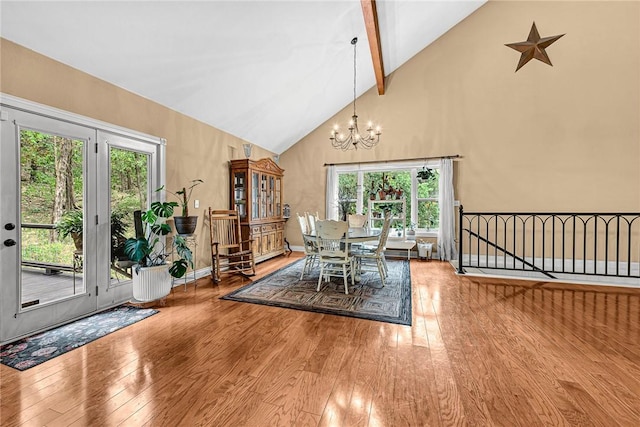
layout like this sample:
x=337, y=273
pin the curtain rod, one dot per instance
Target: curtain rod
x=454, y=156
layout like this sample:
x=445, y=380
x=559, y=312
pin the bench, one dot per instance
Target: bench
x=51, y=268
x=405, y=245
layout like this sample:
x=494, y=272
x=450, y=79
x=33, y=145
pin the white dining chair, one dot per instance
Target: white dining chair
x=311, y=221
x=332, y=240
x=357, y=220
x=310, y=248
x=371, y=258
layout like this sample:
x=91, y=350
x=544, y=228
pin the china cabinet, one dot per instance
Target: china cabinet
x=256, y=193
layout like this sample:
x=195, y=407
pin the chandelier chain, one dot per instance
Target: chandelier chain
x=355, y=70
x=353, y=139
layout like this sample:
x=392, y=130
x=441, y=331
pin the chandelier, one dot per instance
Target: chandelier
x=354, y=139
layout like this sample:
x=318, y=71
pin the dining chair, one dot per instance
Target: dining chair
x=332, y=240
x=370, y=258
x=227, y=247
x=311, y=221
x=304, y=224
x=310, y=248
x=356, y=220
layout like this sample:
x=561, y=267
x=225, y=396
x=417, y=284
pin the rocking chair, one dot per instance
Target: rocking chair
x=227, y=247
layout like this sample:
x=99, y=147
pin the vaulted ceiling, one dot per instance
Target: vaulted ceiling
x=268, y=72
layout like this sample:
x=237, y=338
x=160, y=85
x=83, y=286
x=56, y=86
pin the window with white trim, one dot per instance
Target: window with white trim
x=356, y=184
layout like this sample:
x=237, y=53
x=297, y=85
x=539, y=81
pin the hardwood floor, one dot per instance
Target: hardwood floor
x=480, y=352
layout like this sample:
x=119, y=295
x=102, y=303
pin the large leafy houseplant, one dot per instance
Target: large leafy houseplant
x=150, y=250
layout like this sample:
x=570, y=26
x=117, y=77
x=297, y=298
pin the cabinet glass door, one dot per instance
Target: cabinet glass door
x=278, y=197
x=271, y=193
x=240, y=193
x=263, y=196
x=255, y=195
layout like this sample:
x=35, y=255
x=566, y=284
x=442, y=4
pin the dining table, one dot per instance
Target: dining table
x=357, y=235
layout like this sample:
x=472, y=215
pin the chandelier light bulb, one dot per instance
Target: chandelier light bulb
x=353, y=139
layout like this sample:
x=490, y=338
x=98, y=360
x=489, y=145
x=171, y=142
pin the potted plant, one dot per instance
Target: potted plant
x=424, y=174
x=71, y=224
x=151, y=275
x=185, y=224
x=344, y=204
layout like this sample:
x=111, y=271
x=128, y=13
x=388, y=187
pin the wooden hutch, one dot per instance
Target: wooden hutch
x=256, y=193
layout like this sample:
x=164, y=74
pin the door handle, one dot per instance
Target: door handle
x=9, y=226
x=9, y=242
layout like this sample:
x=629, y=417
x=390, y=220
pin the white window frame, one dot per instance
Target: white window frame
x=406, y=166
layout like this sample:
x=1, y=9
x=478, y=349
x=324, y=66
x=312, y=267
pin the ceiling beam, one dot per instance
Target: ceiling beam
x=373, y=34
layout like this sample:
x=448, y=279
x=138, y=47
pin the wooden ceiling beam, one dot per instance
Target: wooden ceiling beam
x=373, y=34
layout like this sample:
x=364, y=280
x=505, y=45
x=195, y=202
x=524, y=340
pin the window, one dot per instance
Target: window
x=357, y=184
x=389, y=182
x=428, y=217
x=347, y=194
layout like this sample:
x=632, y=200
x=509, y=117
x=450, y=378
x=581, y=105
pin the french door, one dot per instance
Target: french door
x=126, y=181
x=69, y=192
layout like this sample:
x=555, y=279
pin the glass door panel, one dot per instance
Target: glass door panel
x=240, y=194
x=127, y=176
x=271, y=203
x=263, y=196
x=129, y=187
x=52, y=220
x=255, y=195
x=278, y=197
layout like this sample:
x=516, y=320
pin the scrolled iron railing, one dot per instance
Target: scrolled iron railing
x=599, y=244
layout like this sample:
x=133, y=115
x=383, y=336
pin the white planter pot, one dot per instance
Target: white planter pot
x=151, y=283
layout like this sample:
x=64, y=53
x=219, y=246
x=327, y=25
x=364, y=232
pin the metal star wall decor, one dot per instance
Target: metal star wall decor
x=534, y=47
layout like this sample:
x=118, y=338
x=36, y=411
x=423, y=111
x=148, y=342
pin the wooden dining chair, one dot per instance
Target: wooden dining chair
x=228, y=250
x=332, y=240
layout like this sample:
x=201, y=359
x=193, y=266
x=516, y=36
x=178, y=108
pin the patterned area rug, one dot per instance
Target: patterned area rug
x=36, y=349
x=367, y=299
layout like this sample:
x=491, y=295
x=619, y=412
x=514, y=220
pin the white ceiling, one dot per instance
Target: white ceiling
x=268, y=72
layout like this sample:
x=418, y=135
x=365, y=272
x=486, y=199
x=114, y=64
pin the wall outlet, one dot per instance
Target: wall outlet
x=196, y=204
x=456, y=203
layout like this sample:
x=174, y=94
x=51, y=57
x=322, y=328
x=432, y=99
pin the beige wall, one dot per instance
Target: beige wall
x=561, y=138
x=194, y=150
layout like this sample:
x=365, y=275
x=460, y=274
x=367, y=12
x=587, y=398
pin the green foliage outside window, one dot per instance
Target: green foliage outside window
x=429, y=210
x=38, y=151
x=373, y=182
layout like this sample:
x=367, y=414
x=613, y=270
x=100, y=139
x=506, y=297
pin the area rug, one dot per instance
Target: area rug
x=36, y=349
x=367, y=299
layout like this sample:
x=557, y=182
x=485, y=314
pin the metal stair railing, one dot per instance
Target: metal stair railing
x=600, y=244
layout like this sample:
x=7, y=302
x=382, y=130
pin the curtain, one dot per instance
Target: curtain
x=446, y=234
x=331, y=201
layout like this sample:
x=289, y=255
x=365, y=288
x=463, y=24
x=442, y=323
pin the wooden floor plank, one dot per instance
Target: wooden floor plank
x=479, y=352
